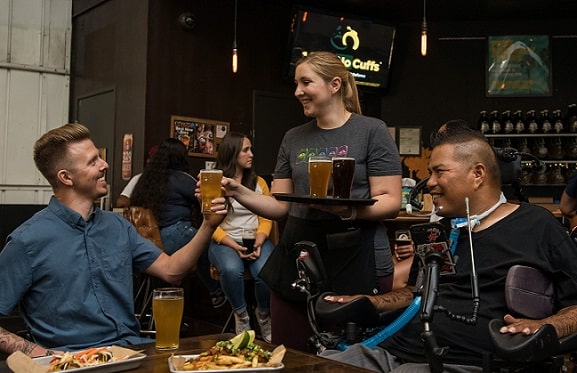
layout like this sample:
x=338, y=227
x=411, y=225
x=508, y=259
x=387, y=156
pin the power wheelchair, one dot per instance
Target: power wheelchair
x=528, y=292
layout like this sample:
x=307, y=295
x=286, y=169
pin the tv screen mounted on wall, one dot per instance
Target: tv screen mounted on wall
x=364, y=46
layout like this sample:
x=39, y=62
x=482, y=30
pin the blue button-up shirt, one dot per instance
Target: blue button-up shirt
x=73, y=278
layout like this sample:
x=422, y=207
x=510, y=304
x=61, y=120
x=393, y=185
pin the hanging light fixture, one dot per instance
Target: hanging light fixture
x=234, y=49
x=424, y=30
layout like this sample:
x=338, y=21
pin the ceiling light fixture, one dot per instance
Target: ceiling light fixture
x=234, y=49
x=424, y=30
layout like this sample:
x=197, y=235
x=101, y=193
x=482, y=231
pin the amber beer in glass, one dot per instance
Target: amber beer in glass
x=343, y=175
x=167, y=309
x=210, y=187
x=319, y=175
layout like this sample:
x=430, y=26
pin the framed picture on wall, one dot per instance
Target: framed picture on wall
x=200, y=136
x=519, y=65
x=409, y=140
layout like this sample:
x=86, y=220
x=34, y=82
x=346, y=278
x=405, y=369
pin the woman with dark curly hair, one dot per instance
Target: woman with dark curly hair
x=167, y=188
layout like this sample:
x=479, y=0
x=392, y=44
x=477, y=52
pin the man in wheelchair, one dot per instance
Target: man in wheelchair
x=457, y=309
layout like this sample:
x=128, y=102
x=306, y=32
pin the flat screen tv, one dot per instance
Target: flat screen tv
x=364, y=46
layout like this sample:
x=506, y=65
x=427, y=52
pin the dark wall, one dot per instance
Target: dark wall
x=188, y=72
x=11, y=216
x=449, y=82
x=109, y=48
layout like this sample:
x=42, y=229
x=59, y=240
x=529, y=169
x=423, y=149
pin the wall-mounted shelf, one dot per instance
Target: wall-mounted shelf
x=521, y=135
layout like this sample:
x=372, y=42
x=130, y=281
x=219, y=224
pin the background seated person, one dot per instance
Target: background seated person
x=167, y=189
x=463, y=164
x=123, y=199
x=70, y=266
x=228, y=253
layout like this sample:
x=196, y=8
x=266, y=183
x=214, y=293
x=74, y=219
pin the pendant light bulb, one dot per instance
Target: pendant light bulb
x=424, y=39
x=234, y=48
x=234, y=58
x=424, y=30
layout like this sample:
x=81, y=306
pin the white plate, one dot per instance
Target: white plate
x=115, y=366
x=261, y=369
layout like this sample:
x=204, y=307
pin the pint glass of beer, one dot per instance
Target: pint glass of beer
x=167, y=309
x=319, y=175
x=343, y=175
x=210, y=184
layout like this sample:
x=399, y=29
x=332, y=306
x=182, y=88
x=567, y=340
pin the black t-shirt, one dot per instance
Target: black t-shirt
x=530, y=236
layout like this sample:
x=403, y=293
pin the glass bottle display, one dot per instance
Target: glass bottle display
x=483, y=122
x=532, y=126
x=507, y=120
x=520, y=126
x=558, y=125
x=496, y=127
x=545, y=125
x=549, y=135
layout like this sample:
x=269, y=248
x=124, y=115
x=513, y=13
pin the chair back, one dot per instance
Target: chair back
x=145, y=222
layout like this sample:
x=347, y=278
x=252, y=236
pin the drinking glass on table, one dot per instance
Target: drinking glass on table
x=319, y=175
x=167, y=309
x=210, y=187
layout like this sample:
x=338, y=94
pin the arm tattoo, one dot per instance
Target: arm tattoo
x=10, y=342
x=394, y=300
x=564, y=321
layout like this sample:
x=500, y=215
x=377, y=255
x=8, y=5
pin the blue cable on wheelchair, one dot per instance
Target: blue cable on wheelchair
x=390, y=329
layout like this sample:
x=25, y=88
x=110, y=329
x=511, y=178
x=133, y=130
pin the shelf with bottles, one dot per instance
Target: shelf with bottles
x=532, y=124
x=554, y=148
x=549, y=174
x=529, y=135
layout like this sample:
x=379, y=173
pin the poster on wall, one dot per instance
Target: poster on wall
x=200, y=136
x=519, y=65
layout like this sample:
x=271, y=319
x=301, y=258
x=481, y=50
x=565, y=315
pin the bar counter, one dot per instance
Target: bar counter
x=294, y=360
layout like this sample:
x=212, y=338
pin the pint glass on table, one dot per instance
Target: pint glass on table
x=319, y=175
x=167, y=309
x=210, y=187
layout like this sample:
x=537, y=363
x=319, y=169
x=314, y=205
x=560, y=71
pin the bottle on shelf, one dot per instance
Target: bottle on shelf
x=507, y=121
x=571, y=149
x=540, y=176
x=558, y=125
x=532, y=126
x=523, y=146
x=496, y=127
x=520, y=126
x=571, y=118
x=540, y=149
x=556, y=176
x=483, y=123
x=556, y=149
x=545, y=125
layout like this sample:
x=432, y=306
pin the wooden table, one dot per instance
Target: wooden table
x=294, y=360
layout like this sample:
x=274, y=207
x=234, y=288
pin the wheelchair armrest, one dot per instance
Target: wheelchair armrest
x=360, y=311
x=524, y=348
